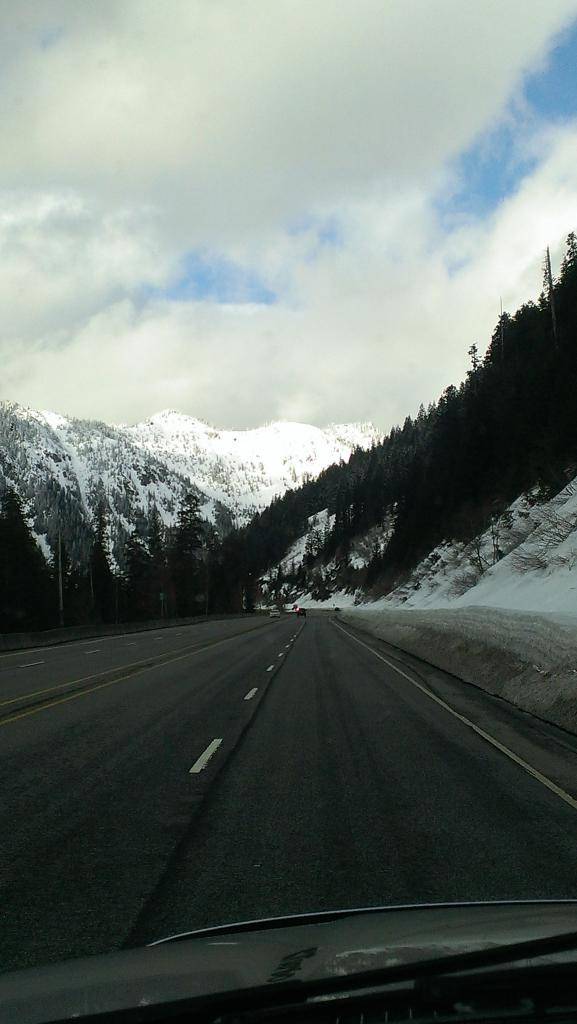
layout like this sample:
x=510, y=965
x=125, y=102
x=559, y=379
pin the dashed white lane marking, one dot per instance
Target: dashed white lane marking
x=270, y=668
x=204, y=758
x=466, y=721
x=250, y=693
x=58, y=648
x=29, y=664
x=281, y=655
x=132, y=644
x=97, y=651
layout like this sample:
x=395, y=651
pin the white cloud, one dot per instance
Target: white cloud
x=131, y=137
x=235, y=114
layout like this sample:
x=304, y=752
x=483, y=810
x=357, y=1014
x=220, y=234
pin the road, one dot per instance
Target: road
x=238, y=769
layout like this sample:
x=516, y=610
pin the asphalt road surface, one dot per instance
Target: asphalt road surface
x=232, y=770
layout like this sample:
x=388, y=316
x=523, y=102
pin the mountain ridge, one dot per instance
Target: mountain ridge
x=63, y=466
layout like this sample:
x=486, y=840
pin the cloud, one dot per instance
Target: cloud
x=374, y=326
x=235, y=115
x=304, y=148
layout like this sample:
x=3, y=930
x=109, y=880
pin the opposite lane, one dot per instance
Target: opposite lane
x=96, y=793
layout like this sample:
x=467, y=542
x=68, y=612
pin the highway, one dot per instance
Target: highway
x=244, y=768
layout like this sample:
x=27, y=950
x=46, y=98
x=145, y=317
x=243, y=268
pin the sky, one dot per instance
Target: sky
x=249, y=211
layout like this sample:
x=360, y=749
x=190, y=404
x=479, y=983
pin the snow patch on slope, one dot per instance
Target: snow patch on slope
x=526, y=560
x=246, y=469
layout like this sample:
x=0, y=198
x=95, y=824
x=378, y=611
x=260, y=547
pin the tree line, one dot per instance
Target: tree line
x=508, y=428
x=166, y=572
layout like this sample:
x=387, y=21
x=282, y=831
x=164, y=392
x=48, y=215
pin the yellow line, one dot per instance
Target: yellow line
x=64, y=700
x=548, y=783
x=71, y=682
x=133, y=664
x=111, y=682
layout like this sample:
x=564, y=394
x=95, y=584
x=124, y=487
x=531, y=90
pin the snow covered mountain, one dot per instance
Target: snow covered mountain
x=64, y=466
x=245, y=469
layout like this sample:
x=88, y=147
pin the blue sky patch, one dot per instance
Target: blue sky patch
x=327, y=230
x=50, y=37
x=553, y=94
x=493, y=168
x=208, y=276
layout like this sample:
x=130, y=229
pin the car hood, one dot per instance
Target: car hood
x=236, y=957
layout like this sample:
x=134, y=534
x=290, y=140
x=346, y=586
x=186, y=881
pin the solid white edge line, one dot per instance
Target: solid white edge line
x=548, y=783
x=204, y=758
x=251, y=693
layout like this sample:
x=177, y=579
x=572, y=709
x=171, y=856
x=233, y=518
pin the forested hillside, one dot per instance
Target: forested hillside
x=509, y=427
x=447, y=475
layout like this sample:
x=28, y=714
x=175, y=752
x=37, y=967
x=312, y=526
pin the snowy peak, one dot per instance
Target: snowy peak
x=246, y=469
x=65, y=466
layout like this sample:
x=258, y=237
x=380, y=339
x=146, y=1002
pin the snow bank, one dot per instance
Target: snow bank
x=529, y=659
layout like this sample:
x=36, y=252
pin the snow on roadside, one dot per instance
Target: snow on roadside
x=529, y=658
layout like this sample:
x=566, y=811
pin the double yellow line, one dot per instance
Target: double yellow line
x=135, y=668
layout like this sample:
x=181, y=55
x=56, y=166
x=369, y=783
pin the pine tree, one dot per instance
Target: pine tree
x=185, y=559
x=137, y=580
x=158, y=577
x=102, y=581
x=25, y=591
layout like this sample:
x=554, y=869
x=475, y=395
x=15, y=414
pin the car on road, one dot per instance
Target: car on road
x=302, y=611
x=274, y=613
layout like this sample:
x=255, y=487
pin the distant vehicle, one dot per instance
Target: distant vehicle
x=274, y=613
x=337, y=609
x=301, y=611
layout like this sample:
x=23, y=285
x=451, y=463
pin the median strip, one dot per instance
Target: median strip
x=38, y=698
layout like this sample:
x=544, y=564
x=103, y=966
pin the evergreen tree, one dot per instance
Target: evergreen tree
x=26, y=598
x=137, y=580
x=158, y=573
x=186, y=561
x=102, y=583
